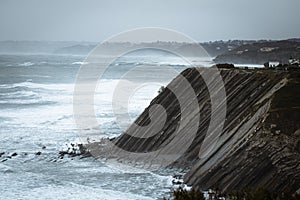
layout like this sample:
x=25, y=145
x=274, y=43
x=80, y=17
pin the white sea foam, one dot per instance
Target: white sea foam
x=72, y=191
x=36, y=113
x=80, y=63
x=26, y=64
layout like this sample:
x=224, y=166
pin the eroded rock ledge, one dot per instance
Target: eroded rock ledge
x=260, y=142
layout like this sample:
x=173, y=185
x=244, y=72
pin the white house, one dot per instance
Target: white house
x=273, y=63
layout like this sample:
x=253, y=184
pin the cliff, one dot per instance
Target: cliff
x=262, y=150
x=262, y=52
x=259, y=145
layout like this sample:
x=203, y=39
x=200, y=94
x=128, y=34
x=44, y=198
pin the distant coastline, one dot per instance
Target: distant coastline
x=261, y=52
x=213, y=48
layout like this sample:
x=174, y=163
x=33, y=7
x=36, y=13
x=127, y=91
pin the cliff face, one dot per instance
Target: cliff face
x=259, y=145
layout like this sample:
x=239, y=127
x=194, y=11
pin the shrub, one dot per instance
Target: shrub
x=182, y=194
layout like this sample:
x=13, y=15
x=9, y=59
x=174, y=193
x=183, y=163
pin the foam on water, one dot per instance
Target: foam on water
x=36, y=110
x=26, y=64
x=73, y=191
x=80, y=63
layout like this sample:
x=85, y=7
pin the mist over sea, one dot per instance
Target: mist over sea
x=36, y=117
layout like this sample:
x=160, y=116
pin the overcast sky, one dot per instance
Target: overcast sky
x=95, y=20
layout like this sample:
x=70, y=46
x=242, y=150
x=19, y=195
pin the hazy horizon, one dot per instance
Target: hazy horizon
x=94, y=21
x=86, y=41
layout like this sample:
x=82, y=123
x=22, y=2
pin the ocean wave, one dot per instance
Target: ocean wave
x=152, y=64
x=16, y=85
x=28, y=95
x=26, y=64
x=132, y=63
x=59, y=119
x=71, y=190
x=80, y=63
x=17, y=93
x=29, y=85
x=24, y=103
x=5, y=89
x=5, y=169
x=36, y=76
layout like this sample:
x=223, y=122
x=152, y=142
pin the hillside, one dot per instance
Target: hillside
x=216, y=48
x=261, y=52
x=213, y=48
x=83, y=48
x=35, y=47
x=78, y=49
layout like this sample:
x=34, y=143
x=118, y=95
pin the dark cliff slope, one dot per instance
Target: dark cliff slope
x=260, y=142
x=261, y=52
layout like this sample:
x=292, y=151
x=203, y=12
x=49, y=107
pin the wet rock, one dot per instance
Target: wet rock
x=14, y=154
x=177, y=179
x=179, y=176
x=75, y=150
x=177, y=182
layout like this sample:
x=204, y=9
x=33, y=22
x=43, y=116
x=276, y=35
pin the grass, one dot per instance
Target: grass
x=183, y=194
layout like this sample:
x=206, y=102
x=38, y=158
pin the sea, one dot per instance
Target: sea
x=36, y=123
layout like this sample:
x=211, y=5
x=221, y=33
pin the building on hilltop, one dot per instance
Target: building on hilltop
x=293, y=61
x=271, y=64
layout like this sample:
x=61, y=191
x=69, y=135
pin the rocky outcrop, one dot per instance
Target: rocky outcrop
x=261, y=148
x=259, y=145
x=75, y=149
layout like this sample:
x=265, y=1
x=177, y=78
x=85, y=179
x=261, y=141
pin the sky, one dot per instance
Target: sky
x=96, y=20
